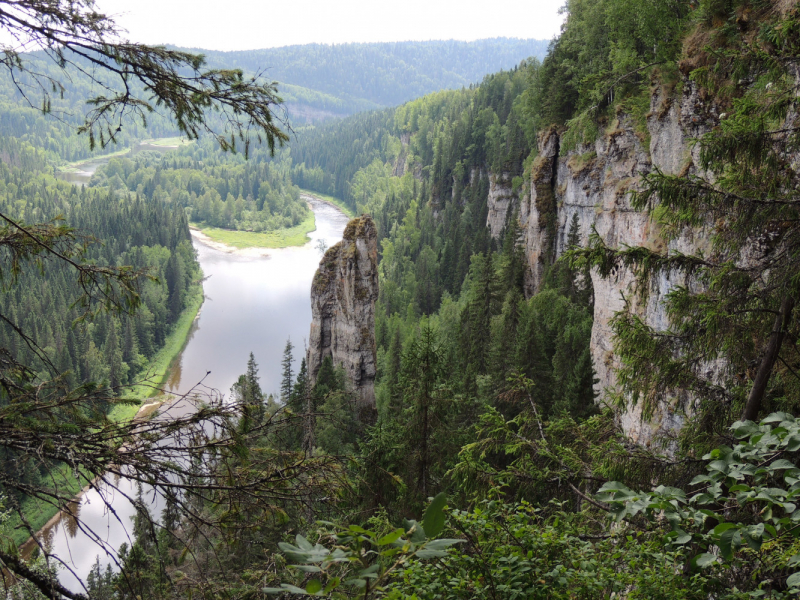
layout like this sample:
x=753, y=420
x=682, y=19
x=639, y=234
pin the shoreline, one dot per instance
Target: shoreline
x=258, y=251
x=27, y=548
x=150, y=402
x=306, y=196
x=313, y=196
x=252, y=252
x=150, y=399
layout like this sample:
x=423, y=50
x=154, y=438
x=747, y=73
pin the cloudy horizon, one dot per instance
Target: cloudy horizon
x=246, y=25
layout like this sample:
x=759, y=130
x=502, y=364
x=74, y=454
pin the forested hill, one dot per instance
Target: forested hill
x=317, y=82
x=570, y=265
x=326, y=80
x=442, y=137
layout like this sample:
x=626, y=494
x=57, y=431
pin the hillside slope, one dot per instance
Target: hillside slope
x=321, y=80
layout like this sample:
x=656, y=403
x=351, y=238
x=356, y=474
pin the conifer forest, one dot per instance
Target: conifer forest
x=550, y=339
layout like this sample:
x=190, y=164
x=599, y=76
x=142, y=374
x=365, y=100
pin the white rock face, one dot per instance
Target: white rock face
x=343, y=297
x=538, y=213
x=592, y=182
x=401, y=163
x=501, y=198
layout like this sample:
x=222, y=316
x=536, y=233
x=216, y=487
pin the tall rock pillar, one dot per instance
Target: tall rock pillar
x=343, y=297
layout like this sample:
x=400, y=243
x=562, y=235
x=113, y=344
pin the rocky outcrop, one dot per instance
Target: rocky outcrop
x=538, y=214
x=343, y=296
x=501, y=198
x=402, y=161
x=592, y=182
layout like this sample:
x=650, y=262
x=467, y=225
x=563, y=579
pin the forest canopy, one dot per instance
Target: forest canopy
x=494, y=467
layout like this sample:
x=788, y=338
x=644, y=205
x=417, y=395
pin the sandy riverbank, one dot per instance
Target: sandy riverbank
x=255, y=251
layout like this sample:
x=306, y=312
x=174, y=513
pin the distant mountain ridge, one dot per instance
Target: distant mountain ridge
x=317, y=83
x=320, y=80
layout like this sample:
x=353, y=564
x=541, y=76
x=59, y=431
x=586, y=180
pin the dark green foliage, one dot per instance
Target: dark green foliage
x=287, y=377
x=486, y=391
x=452, y=322
x=421, y=380
x=335, y=430
x=451, y=133
x=755, y=535
x=145, y=234
x=517, y=551
x=476, y=319
x=364, y=560
x=246, y=392
x=552, y=349
x=736, y=299
x=604, y=54
x=101, y=583
x=215, y=189
x=328, y=166
x=296, y=404
x=77, y=325
x=143, y=568
x=422, y=424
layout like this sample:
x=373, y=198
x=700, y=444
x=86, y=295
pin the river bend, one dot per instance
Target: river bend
x=252, y=304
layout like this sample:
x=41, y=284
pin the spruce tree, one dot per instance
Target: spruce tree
x=101, y=584
x=248, y=396
x=287, y=377
x=477, y=317
x=113, y=353
x=421, y=377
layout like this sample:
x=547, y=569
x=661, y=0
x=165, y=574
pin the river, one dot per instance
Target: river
x=85, y=171
x=252, y=304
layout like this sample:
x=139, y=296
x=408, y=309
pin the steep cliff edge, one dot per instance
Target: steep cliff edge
x=592, y=181
x=343, y=296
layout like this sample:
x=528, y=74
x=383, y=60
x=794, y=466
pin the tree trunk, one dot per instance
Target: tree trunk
x=768, y=362
x=309, y=423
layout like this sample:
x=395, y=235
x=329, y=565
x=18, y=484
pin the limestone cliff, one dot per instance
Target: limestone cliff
x=343, y=296
x=501, y=198
x=592, y=181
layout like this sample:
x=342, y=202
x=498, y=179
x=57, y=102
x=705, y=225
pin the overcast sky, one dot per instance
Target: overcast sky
x=252, y=24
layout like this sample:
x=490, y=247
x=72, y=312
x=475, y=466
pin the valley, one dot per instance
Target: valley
x=252, y=304
x=433, y=320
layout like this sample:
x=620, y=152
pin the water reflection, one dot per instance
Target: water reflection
x=175, y=370
x=258, y=303
x=70, y=518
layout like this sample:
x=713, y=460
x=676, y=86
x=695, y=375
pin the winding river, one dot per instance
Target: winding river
x=254, y=302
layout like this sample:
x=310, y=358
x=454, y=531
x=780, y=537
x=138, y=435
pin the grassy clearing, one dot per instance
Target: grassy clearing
x=38, y=512
x=339, y=203
x=282, y=238
x=78, y=165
